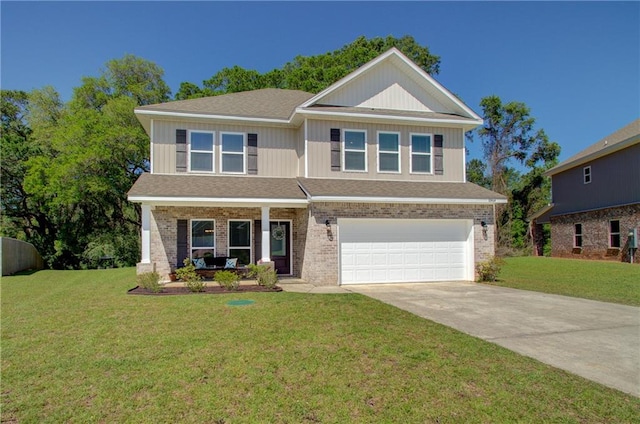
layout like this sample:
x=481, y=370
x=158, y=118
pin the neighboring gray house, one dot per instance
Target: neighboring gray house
x=363, y=182
x=596, y=198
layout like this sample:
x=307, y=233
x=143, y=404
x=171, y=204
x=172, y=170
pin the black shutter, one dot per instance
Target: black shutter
x=182, y=246
x=252, y=154
x=257, y=240
x=181, y=150
x=438, y=160
x=335, y=149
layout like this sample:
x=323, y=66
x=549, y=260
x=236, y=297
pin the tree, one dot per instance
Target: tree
x=476, y=173
x=74, y=164
x=311, y=73
x=14, y=150
x=508, y=136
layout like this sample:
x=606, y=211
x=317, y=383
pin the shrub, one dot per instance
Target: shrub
x=228, y=279
x=150, y=281
x=196, y=285
x=191, y=279
x=489, y=270
x=264, y=274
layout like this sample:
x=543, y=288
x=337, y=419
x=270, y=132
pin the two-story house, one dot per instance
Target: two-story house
x=361, y=183
x=596, y=199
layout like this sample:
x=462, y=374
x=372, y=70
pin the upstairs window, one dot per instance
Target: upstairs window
x=614, y=233
x=203, y=241
x=233, y=153
x=421, y=157
x=201, y=151
x=388, y=152
x=586, y=174
x=577, y=235
x=355, y=150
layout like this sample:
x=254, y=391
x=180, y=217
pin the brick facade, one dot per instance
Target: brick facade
x=315, y=248
x=164, y=232
x=595, y=233
x=320, y=258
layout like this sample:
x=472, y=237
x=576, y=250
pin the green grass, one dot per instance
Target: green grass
x=76, y=348
x=597, y=280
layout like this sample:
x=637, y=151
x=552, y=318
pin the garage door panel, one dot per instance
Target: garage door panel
x=374, y=250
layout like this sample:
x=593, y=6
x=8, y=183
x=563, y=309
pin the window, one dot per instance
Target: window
x=232, y=158
x=355, y=150
x=201, y=151
x=203, y=240
x=421, y=153
x=388, y=152
x=240, y=241
x=614, y=233
x=586, y=174
x=577, y=235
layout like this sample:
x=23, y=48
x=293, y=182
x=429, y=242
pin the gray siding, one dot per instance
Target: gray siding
x=319, y=152
x=278, y=150
x=615, y=180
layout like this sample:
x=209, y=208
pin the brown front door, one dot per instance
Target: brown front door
x=280, y=251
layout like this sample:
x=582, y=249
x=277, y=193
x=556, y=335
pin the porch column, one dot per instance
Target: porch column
x=146, y=234
x=266, y=233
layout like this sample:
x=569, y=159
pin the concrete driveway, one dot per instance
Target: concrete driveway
x=596, y=340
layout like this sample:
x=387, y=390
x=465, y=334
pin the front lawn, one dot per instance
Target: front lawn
x=597, y=280
x=77, y=348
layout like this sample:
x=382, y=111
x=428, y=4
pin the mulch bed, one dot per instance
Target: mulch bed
x=207, y=290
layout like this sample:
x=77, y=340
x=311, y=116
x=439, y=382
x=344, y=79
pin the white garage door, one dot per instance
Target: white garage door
x=392, y=250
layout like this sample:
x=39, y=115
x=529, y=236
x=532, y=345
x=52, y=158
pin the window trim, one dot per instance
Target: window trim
x=191, y=246
x=244, y=152
x=212, y=151
x=430, y=154
x=611, y=233
x=251, y=241
x=586, y=174
x=576, y=235
x=397, y=133
x=345, y=150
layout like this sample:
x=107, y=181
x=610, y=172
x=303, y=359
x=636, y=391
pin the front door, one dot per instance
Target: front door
x=280, y=241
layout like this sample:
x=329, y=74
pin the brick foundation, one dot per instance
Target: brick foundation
x=595, y=233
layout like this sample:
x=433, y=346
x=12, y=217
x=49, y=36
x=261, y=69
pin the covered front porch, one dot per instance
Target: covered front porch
x=245, y=220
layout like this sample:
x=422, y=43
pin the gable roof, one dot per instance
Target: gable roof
x=418, y=82
x=424, y=100
x=623, y=138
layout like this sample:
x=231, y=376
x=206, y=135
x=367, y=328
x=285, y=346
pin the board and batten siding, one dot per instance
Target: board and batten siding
x=386, y=87
x=319, y=151
x=278, y=150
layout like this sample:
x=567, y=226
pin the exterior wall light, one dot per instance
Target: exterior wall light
x=484, y=229
x=327, y=223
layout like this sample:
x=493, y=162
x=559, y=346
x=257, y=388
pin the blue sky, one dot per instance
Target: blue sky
x=575, y=64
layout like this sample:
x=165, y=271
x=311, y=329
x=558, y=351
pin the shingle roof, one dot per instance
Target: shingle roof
x=608, y=144
x=336, y=188
x=178, y=187
x=215, y=187
x=270, y=103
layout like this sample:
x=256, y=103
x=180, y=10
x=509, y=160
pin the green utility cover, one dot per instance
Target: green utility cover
x=240, y=302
